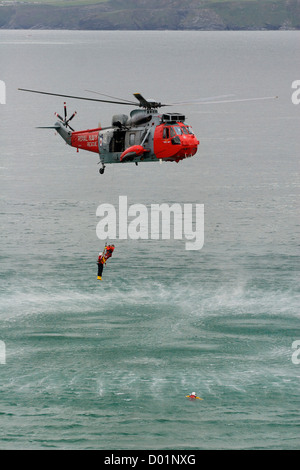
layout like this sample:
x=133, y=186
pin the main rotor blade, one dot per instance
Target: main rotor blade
x=76, y=97
x=240, y=100
x=217, y=100
x=114, y=97
x=201, y=100
x=142, y=100
x=148, y=104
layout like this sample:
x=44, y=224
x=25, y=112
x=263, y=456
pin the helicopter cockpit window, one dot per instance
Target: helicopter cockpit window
x=166, y=133
x=190, y=130
x=177, y=130
x=184, y=130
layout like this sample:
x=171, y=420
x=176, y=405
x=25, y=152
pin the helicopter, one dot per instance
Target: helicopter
x=145, y=136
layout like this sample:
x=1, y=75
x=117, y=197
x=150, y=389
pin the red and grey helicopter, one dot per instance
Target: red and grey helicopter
x=145, y=136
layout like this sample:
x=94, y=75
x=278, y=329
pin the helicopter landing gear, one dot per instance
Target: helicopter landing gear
x=101, y=170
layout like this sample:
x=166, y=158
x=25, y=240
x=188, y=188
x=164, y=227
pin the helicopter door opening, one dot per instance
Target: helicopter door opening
x=117, y=143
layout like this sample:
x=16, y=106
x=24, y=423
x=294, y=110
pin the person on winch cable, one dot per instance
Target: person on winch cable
x=103, y=257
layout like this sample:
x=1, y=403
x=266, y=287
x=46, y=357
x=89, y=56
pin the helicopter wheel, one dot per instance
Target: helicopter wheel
x=101, y=170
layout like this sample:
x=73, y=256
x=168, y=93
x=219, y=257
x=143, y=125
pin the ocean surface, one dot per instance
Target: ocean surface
x=107, y=365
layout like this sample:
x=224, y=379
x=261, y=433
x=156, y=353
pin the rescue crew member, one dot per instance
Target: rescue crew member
x=109, y=249
x=193, y=396
x=103, y=257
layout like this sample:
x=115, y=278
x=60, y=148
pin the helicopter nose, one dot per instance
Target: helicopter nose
x=193, y=143
x=187, y=151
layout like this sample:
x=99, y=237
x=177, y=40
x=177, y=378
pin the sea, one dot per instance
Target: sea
x=107, y=365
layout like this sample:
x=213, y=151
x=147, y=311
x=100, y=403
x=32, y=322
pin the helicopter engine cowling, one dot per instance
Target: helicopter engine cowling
x=139, y=119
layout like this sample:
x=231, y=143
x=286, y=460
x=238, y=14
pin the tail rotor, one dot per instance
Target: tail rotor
x=65, y=121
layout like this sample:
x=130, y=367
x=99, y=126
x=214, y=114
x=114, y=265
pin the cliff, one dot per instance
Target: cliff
x=151, y=15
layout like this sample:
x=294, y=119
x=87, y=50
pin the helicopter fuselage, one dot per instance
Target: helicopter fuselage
x=146, y=136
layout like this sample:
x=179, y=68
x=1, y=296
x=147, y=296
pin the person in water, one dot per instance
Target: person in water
x=103, y=257
x=193, y=396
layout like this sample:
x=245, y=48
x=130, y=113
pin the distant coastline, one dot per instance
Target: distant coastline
x=151, y=14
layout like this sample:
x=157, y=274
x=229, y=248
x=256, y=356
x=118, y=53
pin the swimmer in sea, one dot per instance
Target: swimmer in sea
x=193, y=396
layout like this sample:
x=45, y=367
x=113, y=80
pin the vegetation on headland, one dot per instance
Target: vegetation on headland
x=150, y=14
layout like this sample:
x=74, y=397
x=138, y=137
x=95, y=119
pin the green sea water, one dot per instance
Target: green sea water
x=108, y=365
